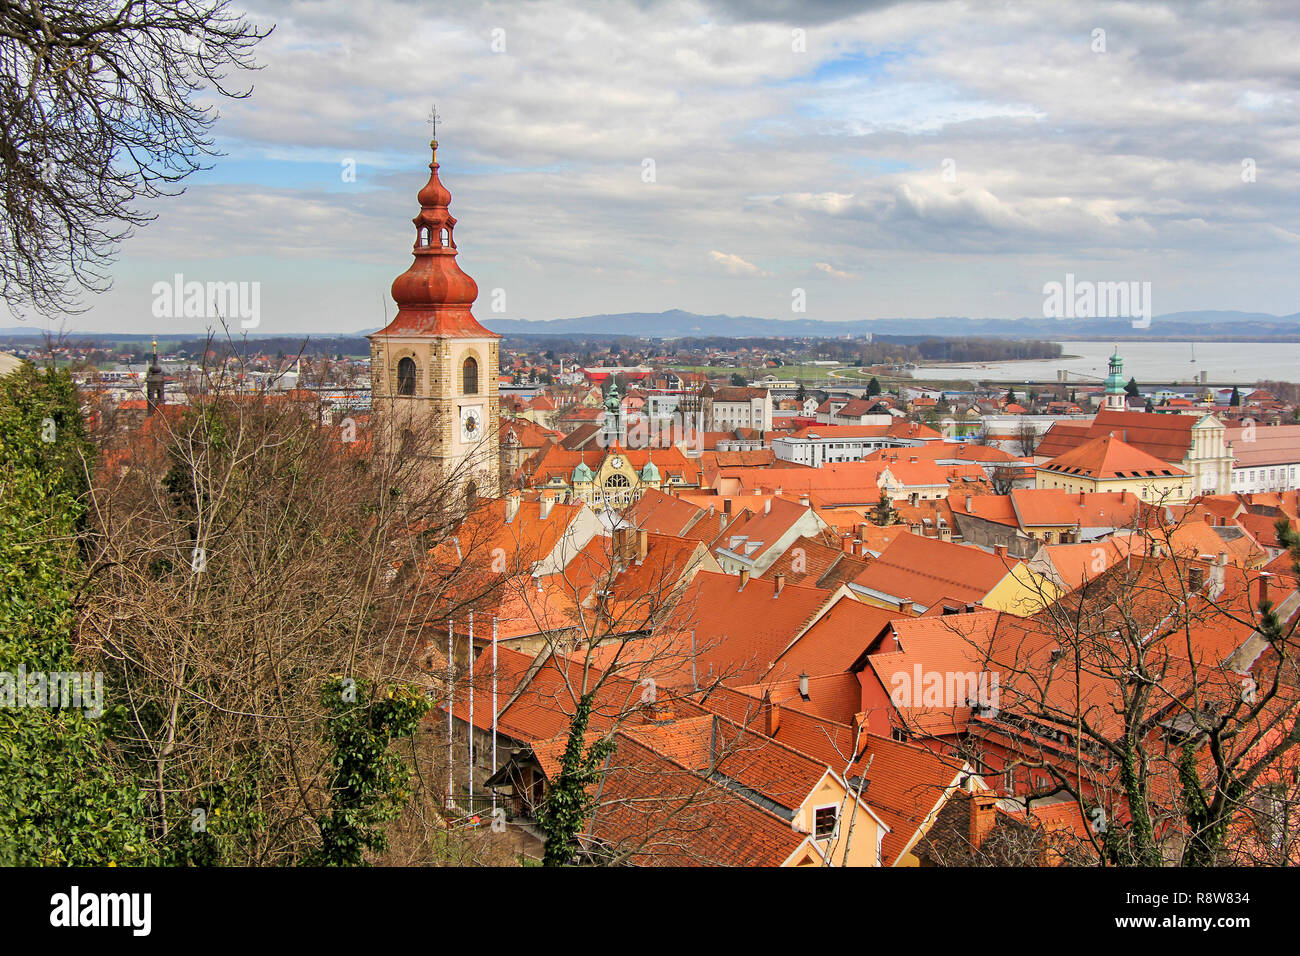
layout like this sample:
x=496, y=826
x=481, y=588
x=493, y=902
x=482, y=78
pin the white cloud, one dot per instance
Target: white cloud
x=831, y=271
x=735, y=265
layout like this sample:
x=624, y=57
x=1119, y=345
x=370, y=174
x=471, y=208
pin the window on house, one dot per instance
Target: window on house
x=406, y=376
x=469, y=375
x=824, y=819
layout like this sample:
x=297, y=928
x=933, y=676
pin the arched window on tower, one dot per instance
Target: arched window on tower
x=470, y=377
x=424, y=236
x=446, y=237
x=406, y=376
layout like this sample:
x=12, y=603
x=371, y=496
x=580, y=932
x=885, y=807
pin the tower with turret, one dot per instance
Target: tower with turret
x=434, y=368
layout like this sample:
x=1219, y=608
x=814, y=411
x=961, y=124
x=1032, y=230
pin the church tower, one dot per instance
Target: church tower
x=434, y=369
x=155, y=384
x=613, y=433
x=1116, y=398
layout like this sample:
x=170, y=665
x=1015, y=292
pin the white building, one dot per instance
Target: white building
x=843, y=443
x=732, y=407
x=1265, y=458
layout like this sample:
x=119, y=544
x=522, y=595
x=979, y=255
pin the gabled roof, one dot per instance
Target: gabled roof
x=806, y=561
x=905, y=783
x=856, y=408
x=926, y=570
x=662, y=514
x=1053, y=507
x=740, y=631
x=1107, y=457
x=1260, y=446
x=1166, y=437
x=763, y=529
x=942, y=645
x=734, y=393
x=835, y=642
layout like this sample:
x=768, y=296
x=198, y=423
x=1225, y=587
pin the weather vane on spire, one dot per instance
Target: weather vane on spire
x=433, y=119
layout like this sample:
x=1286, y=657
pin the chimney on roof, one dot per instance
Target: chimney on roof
x=803, y=686
x=1217, y=574
x=512, y=507
x=726, y=506
x=547, y=503
x=771, y=715
x=983, y=817
x=642, y=544
x=970, y=504
x=744, y=578
x=779, y=584
x=767, y=505
x=722, y=522
x=1000, y=551
x=1195, y=577
x=1264, y=591
x=1123, y=497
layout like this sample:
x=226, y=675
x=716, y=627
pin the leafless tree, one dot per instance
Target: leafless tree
x=241, y=555
x=1027, y=437
x=99, y=111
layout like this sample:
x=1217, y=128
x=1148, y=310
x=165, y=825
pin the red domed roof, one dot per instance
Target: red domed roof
x=434, y=296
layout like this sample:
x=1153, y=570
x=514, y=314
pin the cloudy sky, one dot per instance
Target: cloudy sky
x=890, y=159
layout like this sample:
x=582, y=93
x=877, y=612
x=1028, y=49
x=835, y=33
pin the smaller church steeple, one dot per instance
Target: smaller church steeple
x=155, y=384
x=613, y=431
x=1116, y=397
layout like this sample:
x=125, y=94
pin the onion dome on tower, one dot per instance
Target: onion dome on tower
x=434, y=296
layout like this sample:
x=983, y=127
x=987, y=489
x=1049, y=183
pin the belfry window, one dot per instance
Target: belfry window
x=424, y=236
x=406, y=376
x=446, y=237
x=470, y=377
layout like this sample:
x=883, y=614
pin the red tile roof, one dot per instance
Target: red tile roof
x=927, y=570
x=1107, y=457
x=739, y=632
x=838, y=639
x=1167, y=437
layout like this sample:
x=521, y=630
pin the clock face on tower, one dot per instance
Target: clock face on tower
x=471, y=422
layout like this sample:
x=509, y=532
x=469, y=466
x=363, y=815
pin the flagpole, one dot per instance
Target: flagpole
x=494, y=714
x=451, y=741
x=469, y=656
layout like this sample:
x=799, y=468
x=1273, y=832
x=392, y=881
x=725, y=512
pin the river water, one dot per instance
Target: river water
x=1226, y=362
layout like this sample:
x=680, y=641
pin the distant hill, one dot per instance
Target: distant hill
x=676, y=324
